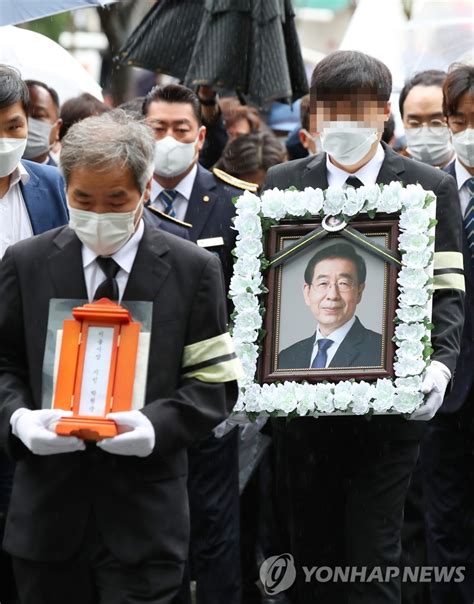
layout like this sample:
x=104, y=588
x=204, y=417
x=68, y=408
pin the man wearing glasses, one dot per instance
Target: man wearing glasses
x=334, y=283
x=426, y=130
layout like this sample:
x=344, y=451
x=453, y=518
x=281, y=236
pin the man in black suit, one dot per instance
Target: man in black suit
x=109, y=522
x=348, y=476
x=188, y=192
x=447, y=453
x=334, y=283
x=43, y=123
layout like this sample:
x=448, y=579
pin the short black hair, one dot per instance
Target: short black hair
x=388, y=129
x=251, y=152
x=337, y=250
x=173, y=93
x=12, y=88
x=77, y=109
x=347, y=73
x=53, y=94
x=459, y=80
x=429, y=77
x=304, y=112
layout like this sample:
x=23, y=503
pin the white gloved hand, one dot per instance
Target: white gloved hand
x=136, y=435
x=36, y=430
x=435, y=382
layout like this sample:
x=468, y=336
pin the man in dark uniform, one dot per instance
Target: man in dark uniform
x=348, y=476
x=191, y=194
x=110, y=522
x=447, y=453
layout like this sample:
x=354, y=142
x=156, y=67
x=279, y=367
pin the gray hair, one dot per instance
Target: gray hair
x=103, y=141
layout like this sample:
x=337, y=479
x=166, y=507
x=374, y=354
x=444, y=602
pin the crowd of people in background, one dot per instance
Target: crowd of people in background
x=235, y=526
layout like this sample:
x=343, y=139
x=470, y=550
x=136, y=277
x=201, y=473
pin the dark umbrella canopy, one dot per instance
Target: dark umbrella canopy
x=250, y=46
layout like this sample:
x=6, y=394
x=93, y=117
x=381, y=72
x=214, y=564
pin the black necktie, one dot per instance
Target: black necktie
x=108, y=288
x=353, y=181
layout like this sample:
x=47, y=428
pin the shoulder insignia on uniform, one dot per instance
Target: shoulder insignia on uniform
x=235, y=182
x=168, y=218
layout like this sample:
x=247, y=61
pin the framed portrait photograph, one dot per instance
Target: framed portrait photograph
x=330, y=309
x=332, y=291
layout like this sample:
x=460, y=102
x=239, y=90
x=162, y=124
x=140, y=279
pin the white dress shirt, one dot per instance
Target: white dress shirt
x=124, y=257
x=367, y=174
x=15, y=223
x=181, y=202
x=462, y=176
x=336, y=336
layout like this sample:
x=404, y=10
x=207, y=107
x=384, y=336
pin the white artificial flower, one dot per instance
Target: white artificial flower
x=390, y=199
x=410, y=349
x=370, y=194
x=406, y=367
x=362, y=393
x=242, y=285
x=414, y=196
x=249, y=320
x=334, y=201
x=383, y=397
x=305, y=395
x=354, y=202
x=414, y=297
x=407, y=402
x=245, y=302
x=295, y=203
x=412, y=314
x=269, y=398
x=415, y=331
x=248, y=203
x=414, y=220
x=246, y=266
x=411, y=384
x=248, y=354
x=324, y=399
x=273, y=204
x=248, y=246
x=417, y=260
x=413, y=242
x=342, y=395
x=253, y=399
x=248, y=226
x=287, y=397
x=314, y=199
x=410, y=277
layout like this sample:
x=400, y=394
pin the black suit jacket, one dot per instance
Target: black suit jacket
x=462, y=386
x=361, y=347
x=140, y=504
x=448, y=302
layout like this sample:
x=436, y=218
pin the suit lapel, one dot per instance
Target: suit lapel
x=349, y=348
x=315, y=173
x=392, y=167
x=65, y=266
x=32, y=193
x=201, y=203
x=149, y=269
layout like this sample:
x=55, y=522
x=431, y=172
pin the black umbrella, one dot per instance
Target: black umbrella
x=250, y=46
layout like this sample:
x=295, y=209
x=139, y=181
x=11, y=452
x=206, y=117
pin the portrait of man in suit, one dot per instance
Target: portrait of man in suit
x=334, y=282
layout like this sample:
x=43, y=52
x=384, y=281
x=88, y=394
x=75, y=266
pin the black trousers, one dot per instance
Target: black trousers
x=214, y=552
x=95, y=576
x=447, y=457
x=347, y=479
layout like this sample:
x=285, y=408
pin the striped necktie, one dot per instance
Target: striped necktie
x=469, y=218
x=167, y=196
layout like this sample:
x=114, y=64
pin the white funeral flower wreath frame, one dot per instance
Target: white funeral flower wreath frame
x=417, y=219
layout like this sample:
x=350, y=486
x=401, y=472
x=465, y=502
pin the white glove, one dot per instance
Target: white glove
x=36, y=430
x=435, y=382
x=136, y=435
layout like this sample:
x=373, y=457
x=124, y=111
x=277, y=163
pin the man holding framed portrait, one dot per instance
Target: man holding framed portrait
x=348, y=476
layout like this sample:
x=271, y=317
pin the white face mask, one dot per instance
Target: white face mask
x=173, y=157
x=104, y=234
x=348, y=142
x=432, y=147
x=463, y=143
x=11, y=150
x=38, y=138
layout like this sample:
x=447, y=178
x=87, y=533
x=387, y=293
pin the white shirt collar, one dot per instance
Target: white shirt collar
x=462, y=175
x=338, y=334
x=124, y=257
x=367, y=174
x=19, y=173
x=184, y=187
